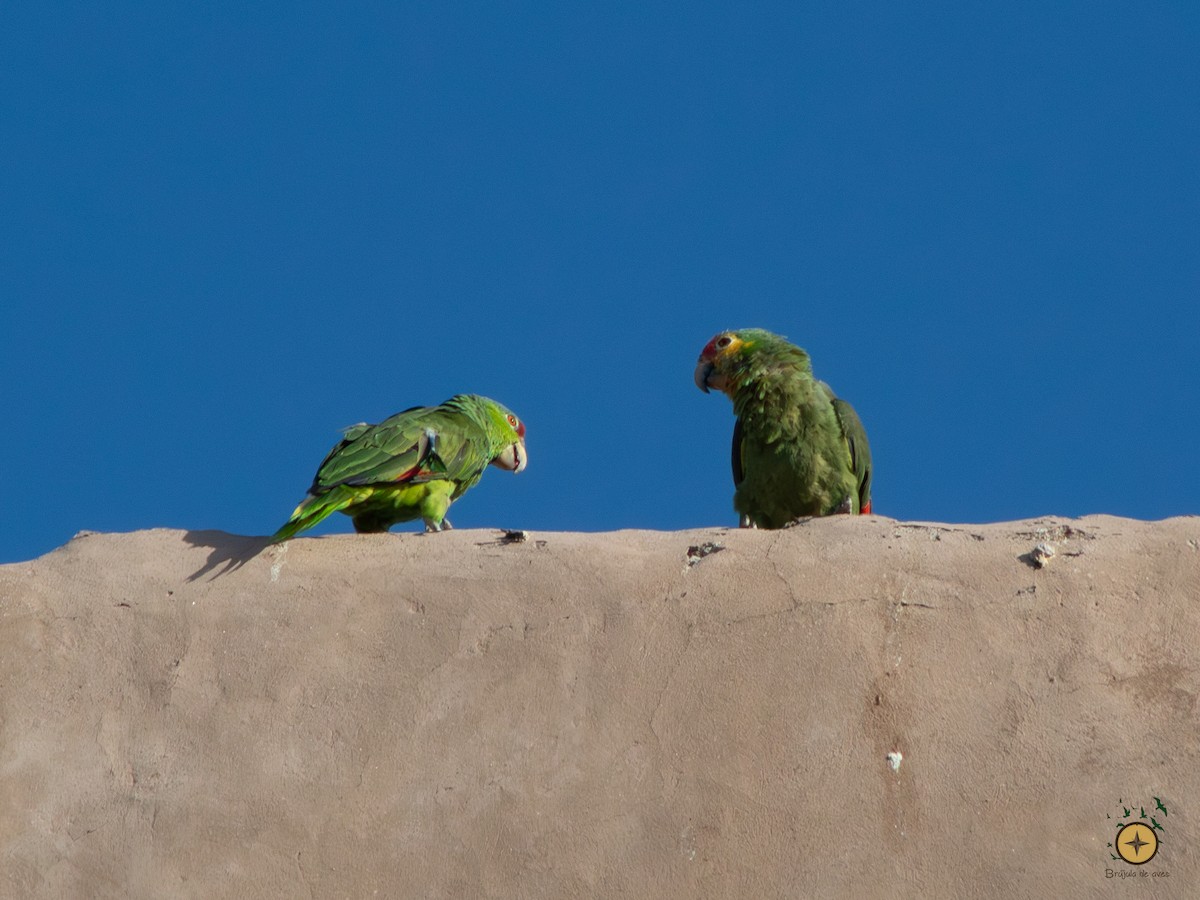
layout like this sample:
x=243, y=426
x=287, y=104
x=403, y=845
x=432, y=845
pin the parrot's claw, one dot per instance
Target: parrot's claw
x=746, y=522
x=799, y=520
x=432, y=527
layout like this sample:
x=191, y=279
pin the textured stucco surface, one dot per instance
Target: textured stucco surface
x=190, y=714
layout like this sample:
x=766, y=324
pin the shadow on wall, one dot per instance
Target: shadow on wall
x=229, y=551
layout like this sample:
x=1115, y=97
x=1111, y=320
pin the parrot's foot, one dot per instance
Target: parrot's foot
x=845, y=508
x=799, y=520
x=746, y=522
x=432, y=527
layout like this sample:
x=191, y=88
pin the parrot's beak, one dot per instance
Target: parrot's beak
x=512, y=458
x=707, y=378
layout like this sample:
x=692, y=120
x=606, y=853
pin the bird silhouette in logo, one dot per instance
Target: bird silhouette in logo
x=1143, y=813
x=1114, y=856
x=1126, y=813
x=1158, y=804
x=1154, y=824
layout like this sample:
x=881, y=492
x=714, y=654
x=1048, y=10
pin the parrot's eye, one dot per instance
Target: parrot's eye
x=724, y=341
x=512, y=420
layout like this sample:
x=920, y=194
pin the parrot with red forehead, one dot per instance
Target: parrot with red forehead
x=798, y=450
x=411, y=465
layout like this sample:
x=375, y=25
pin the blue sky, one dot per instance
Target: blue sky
x=228, y=230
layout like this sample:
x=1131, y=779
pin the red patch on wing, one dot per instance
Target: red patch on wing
x=866, y=510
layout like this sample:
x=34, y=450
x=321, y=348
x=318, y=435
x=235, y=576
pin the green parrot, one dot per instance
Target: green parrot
x=411, y=465
x=797, y=449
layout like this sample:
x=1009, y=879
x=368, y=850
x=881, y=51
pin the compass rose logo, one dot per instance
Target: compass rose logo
x=1139, y=832
x=1136, y=843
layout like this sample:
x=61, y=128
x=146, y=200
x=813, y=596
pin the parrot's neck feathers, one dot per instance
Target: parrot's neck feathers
x=770, y=370
x=770, y=395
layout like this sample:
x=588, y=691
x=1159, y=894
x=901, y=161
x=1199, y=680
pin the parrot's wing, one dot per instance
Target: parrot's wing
x=417, y=445
x=860, y=450
x=349, y=434
x=739, y=471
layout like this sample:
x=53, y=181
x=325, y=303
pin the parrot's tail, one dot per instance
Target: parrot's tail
x=312, y=510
